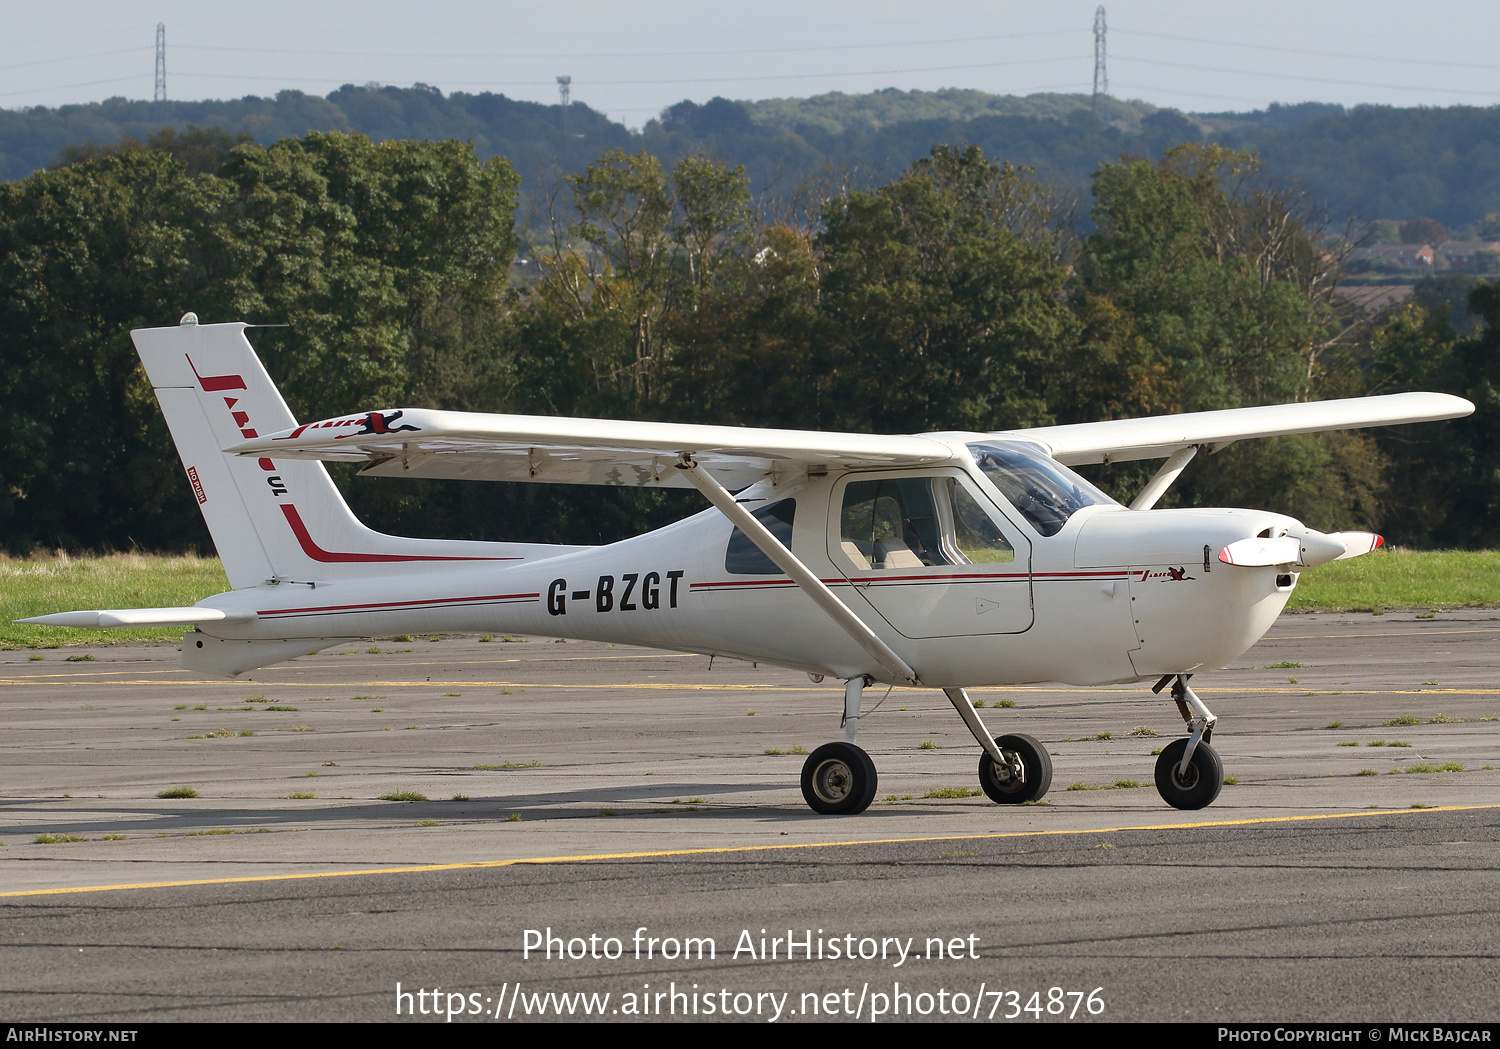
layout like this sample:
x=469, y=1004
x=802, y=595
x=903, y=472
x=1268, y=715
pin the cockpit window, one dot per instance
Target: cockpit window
x=1045, y=491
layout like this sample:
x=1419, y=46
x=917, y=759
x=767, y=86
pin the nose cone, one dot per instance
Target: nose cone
x=1318, y=548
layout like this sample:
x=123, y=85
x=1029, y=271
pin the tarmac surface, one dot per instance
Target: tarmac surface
x=597, y=790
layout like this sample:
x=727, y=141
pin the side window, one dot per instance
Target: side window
x=975, y=534
x=915, y=522
x=744, y=558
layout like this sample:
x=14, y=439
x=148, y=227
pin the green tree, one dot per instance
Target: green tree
x=87, y=253
x=941, y=311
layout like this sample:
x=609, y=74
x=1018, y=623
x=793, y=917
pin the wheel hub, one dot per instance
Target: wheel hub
x=833, y=780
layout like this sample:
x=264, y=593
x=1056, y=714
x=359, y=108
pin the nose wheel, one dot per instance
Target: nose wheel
x=1195, y=787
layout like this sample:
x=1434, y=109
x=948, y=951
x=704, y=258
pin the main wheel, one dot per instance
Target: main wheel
x=1199, y=786
x=1002, y=785
x=838, y=779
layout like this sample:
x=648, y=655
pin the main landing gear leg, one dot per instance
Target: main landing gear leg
x=1014, y=768
x=1189, y=773
x=839, y=779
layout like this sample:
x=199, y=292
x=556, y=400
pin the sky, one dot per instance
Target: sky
x=630, y=60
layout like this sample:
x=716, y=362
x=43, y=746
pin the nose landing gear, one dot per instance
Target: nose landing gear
x=1189, y=772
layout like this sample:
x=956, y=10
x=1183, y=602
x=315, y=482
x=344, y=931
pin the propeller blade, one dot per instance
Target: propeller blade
x=1261, y=553
x=1357, y=543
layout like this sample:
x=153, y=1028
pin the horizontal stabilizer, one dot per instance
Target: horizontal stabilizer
x=121, y=617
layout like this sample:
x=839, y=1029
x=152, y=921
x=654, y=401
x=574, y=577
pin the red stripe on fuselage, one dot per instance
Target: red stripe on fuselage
x=398, y=604
x=317, y=553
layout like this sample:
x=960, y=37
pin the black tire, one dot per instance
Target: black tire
x=1036, y=767
x=838, y=779
x=1202, y=783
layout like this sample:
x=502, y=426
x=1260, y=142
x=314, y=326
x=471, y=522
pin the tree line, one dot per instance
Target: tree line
x=963, y=293
x=1368, y=161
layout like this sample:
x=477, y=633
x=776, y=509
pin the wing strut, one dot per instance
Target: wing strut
x=803, y=576
x=1169, y=472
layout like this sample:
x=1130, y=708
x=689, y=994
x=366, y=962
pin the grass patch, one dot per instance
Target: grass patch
x=1349, y=743
x=1282, y=666
x=1404, y=719
x=509, y=765
x=797, y=750
x=1142, y=730
x=928, y=744
x=459, y=797
x=1444, y=719
x=293, y=709
x=514, y=817
x=300, y=797
x=952, y=792
x=177, y=792
x=403, y=795
x=61, y=583
x=1367, y=772
x=1447, y=766
x=1393, y=578
x=1384, y=743
x=772, y=751
x=55, y=839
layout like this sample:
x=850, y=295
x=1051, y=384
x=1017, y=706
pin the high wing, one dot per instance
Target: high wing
x=1122, y=440
x=414, y=442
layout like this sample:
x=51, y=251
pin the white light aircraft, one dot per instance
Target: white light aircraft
x=945, y=560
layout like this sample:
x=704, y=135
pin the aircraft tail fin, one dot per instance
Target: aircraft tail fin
x=273, y=519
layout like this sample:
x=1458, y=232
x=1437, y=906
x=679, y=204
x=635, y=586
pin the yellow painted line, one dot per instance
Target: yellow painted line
x=430, y=868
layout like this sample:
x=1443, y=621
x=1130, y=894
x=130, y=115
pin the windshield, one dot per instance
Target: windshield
x=1045, y=491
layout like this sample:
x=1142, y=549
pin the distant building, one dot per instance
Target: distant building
x=1394, y=255
x=1467, y=254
